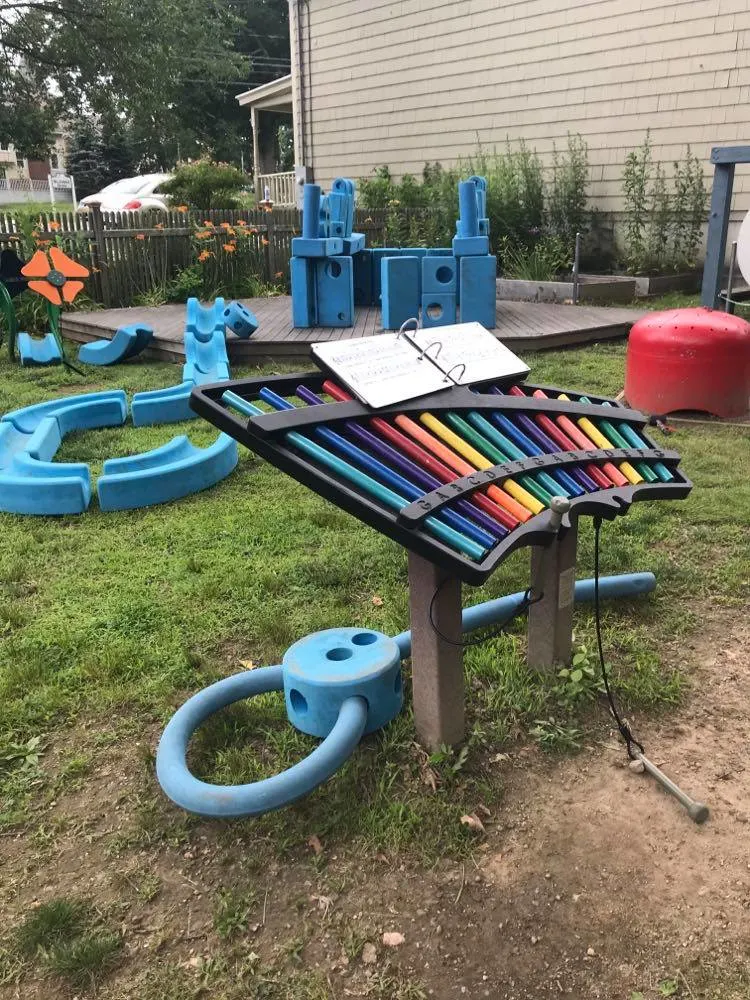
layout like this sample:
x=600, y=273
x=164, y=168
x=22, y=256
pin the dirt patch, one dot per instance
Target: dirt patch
x=591, y=882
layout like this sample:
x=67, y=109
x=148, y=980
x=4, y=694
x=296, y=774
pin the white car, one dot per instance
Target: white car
x=132, y=194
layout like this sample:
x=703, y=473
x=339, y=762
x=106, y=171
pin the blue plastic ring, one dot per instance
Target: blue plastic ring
x=259, y=796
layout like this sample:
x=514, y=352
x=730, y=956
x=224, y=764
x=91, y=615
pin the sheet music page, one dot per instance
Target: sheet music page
x=472, y=345
x=380, y=370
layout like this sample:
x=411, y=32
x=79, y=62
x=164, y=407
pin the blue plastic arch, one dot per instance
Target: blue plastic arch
x=259, y=796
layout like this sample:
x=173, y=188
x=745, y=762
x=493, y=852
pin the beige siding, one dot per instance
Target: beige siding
x=407, y=81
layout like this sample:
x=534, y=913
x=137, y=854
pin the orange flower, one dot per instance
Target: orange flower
x=268, y=208
x=207, y=222
x=264, y=241
x=203, y=235
x=182, y=208
x=253, y=230
x=53, y=280
x=54, y=226
x=159, y=225
x=43, y=243
x=140, y=236
x=225, y=225
x=229, y=247
x=279, y=274
x=204, y=255
x=241, y=222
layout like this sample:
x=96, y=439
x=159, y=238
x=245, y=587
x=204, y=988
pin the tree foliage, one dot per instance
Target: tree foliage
x=99, y=153
x=205, y=185
x=131, y=58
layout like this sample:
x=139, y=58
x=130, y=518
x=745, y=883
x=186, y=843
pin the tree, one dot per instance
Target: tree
x=205, y=185
x=129, y=58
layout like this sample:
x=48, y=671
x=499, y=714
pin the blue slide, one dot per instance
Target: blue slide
x=127, y=342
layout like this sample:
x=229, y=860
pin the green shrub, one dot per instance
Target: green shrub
x=545, y=261
x=205, y=184
x=566, y=201
x=663, y=227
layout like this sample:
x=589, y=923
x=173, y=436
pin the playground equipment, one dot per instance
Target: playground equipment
x=332, y=271
x=461, y=478
x=127, y=342
x=57, y=279
x=689, y=359
x=31, y=483
x=240, y=320
x=205, y=361
x=724, y=159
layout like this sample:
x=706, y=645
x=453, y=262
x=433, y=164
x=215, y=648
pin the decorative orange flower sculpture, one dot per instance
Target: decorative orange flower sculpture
x=55, y=280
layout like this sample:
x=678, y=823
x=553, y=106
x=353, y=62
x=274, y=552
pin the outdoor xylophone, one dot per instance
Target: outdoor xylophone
x=461, y=478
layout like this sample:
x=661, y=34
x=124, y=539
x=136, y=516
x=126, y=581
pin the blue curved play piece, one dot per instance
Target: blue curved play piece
x=35, y=351
x=259, y=796
x=30, y=482
x=163, y=406
x=240, y=320
x=205, y=360
x=127, y=342
x=202, y=321
x=175, y=470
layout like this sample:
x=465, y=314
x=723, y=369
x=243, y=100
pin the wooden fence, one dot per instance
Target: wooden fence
x=131, y=255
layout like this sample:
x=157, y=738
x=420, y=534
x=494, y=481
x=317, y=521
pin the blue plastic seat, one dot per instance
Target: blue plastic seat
x=38, y=352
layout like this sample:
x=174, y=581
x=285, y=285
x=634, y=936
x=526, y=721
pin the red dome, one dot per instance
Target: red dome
x=689, y=359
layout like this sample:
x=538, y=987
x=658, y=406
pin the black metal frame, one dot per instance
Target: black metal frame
x=264, y=434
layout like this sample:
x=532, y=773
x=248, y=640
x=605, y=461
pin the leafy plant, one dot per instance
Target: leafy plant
x=658, y=255
x=689, y=210
x=232, y=911
x=553, y=737
x=205, y=184
x=566, y=200
x=449, y=762
x=579, y=682
x=545, y=261
x=668, y=987
x=635, y=189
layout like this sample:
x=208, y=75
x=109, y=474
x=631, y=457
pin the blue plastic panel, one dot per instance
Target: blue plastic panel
x=478, y=277
x=399, y=290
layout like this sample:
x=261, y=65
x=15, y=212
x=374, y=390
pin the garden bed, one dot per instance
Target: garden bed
x=592, y=288
x=660, y=284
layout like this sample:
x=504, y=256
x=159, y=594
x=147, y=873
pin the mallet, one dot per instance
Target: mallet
x=697, y=811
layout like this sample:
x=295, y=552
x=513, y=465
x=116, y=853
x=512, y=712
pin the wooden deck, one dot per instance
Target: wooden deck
x=523, y=326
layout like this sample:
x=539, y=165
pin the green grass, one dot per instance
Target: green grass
x=114, y=619
x=66, y=938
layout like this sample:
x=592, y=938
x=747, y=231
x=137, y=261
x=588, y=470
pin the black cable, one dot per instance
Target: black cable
x=625, y=730
x=523, y=605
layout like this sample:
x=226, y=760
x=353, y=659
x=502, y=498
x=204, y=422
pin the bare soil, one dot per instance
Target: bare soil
x=589, y=882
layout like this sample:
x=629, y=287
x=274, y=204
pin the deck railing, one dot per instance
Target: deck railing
x=282, y=189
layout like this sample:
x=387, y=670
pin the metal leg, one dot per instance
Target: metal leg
x=437, y=666
x=553, y=574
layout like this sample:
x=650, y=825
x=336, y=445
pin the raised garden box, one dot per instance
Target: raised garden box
x=660, y=284
x=591, y=288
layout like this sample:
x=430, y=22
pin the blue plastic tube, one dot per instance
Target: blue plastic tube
x=503, y=608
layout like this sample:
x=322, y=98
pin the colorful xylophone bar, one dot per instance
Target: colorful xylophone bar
x=398, y=459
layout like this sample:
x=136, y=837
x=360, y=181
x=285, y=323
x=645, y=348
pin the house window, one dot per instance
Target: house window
x=19, y=161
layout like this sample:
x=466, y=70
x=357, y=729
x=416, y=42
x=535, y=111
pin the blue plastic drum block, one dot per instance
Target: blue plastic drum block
x=311, y=199
x=304, y=299
x=302, y=247
x=345, y=186
x=334, y=289
x=363, y=278
x=240, y=320
x=354, y=243
x=468, y=223
x=471, y=246
x=439, y=274
x=324, y=669
x=439, y=251
x=338, y=214
x=478, y=290
x=400, y=290
x=438, y=309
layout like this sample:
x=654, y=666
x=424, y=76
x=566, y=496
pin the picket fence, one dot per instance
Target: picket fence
x=130, y=254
